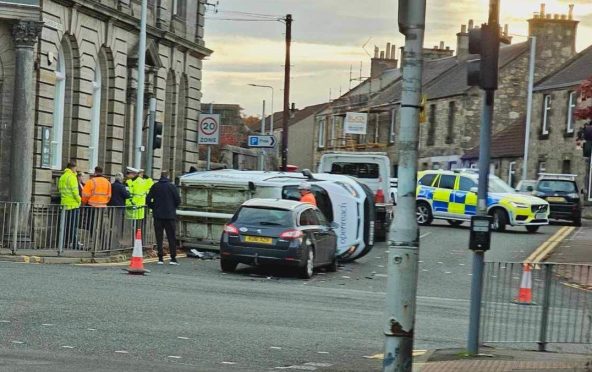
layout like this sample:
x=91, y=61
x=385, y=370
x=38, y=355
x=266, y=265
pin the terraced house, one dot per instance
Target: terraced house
x=72, y=65
x=453, y=108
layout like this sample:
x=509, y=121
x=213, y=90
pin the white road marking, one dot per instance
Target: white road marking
x=122, y=351
x=17, y=342
x=440, y=262
x=174, y=357
x=346, y=277
x=461, y=264
x=424, y=235
x=68, y=347
x=47, y=325
x=424, y=270
x=447, y=272
x=275, y=347
x=381, y=275
x=231, y=363
x=420, y=261
x=322, y=352
x=183, y=338
x=91, y=329
x=4, y=321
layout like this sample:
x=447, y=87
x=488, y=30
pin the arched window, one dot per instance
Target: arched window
x=95, y=120
x=57, y=131
x=180, y=126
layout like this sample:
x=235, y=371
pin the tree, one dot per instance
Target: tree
x=252, y=122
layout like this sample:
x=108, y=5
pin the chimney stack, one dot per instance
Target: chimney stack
x=470, y=24
x=543, y=10
x=462, y=41
x=383, y=60
x=376, y=52
x=570, y=14
x=382, y=54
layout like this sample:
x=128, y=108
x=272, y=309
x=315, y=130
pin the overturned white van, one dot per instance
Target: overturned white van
x=209, y=199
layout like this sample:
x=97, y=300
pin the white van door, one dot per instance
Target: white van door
x=348, y=213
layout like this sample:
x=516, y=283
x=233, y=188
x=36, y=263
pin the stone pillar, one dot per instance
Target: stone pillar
x=25, y=34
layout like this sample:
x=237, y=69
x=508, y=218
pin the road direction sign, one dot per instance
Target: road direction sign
x=209, y=129
x=262, y=141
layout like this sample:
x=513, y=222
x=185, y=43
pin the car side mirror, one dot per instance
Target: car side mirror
x=529, y=188
x=474, y=189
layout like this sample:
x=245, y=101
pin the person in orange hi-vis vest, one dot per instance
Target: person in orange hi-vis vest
x=96, y=194
x=306, y=195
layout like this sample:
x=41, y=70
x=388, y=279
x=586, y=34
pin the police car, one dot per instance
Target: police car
x=452, y=196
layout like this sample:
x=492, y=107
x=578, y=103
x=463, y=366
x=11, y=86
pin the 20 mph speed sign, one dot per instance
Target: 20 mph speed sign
x=209, y=129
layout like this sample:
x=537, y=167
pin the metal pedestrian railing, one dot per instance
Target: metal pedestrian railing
x=85, y=230
x=543, y=303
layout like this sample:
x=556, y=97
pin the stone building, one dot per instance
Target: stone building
x=83, y=75
x=453, y=108
x=553, y=127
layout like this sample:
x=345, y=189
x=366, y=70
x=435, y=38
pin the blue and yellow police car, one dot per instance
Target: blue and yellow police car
x=452, y=196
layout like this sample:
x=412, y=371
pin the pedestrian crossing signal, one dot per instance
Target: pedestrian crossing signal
x=157, y=139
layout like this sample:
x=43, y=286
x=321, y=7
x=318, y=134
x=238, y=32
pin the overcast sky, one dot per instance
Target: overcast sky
x=328, y=36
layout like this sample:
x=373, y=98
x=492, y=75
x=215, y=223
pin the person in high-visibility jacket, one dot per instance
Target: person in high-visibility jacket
x=148, y=182
x=306, y=195
x=96, y=194
x=70, y=201
x=137, y=200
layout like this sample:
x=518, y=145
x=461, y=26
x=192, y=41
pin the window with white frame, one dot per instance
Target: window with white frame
x=546, y=114
x=57, y=131
x=392, y=127
x=95, y=121
x=511, y=173
x=333, y=132
x=321, y=136
x=179, y=8
x=571, y=106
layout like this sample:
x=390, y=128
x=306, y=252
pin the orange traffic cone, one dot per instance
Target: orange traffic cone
x=137, y=261
x=525, y=292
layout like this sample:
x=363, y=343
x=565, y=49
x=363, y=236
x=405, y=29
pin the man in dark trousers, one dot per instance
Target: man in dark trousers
x=163, y=198
x=119, y=195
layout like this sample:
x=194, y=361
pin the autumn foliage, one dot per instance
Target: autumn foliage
x=584, y=109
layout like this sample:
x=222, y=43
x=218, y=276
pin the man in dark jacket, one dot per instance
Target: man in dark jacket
x=163, y=198
x=119, y=194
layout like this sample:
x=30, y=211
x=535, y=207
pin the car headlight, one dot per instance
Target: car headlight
x=519, y=205
x=573, y=195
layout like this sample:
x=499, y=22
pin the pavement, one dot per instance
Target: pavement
x=575, y=249
x=193, y=317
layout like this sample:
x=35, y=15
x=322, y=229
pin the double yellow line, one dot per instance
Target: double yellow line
x=545, y=249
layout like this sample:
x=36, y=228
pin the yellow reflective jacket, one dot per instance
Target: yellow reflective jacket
x=137, y=201
x=68, y=188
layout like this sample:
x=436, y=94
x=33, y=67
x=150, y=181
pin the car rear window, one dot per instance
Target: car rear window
x=359, y=170
x=264, y=217
x=557, y=186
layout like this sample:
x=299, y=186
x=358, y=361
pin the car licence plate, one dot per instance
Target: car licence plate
x=540, y=216
x=556, y=199
x=258, y=239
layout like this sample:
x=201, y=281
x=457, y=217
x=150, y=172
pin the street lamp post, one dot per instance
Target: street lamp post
x=270, y=87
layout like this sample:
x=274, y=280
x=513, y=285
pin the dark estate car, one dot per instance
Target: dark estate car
x=282, y=232
x=561, y=191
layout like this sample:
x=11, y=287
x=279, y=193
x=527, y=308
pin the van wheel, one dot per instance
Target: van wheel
x=454, y=223
x=500, y=220
x=424, y=213
x=228, y=266
x=308, y=269
x=532, y=229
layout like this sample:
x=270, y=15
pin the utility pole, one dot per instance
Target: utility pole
x=529, y=106
x=286, y=113
x=261, y=152
x=483, y=73
x=140, y=89
x=403, y=240
x=209, y=158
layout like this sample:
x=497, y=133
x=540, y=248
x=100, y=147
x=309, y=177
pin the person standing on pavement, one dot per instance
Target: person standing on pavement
x=163, y=198
x=119, y=197
x=96, y=194
x=137, y=201
x=306, y=195
x=80, y=182
x=70, y=201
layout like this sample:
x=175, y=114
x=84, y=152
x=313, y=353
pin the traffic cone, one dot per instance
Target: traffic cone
x=525, y=291
x=136, y=266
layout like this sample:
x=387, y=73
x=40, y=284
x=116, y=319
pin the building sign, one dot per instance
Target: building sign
x=45, y=147
x=355, y=123
x=209, y=129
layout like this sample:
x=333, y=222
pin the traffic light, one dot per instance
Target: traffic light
x=485, y=42
x=157, y=139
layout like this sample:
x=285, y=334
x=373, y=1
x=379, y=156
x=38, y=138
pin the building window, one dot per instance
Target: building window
x=566, y=166
x=179, y=7
x=321, y=137
x=571, y=105
x=451, y=113
x=392, y=127
x=541, y=167
x=432, y=126
x=333, y=132
x=95, y=121
x=546, y=114
x=511, y=173
x=59, y=101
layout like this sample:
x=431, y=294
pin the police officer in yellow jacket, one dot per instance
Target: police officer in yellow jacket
x=137, y=201
x=70, y=201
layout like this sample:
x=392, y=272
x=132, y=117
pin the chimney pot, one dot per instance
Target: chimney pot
x=543, y=10
x=570, y=13
x=470, y=24
x=555, y=16
x=447, y=48
x=506, y=29
x=563, y=16
x=387, y=52
x=393, y=51
x=376, y=52
x=382, y=54
x=441, y=45
x=463, y=29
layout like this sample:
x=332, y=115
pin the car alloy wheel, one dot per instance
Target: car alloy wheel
x=424, y=215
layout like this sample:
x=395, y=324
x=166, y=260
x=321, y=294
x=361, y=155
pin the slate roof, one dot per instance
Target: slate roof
x=572, y=73
x=278, y=117
x=454, y=82
x=508, y=143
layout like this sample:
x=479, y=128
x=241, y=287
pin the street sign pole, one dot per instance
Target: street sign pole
x=140, y=89
x=403, y=236
x=209, y=160
x=261, y=152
